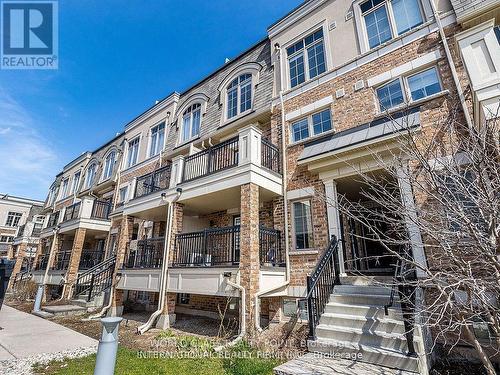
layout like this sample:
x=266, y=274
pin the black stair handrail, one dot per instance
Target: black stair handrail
x=95, y=280
x=20, y=277
x=320, y=284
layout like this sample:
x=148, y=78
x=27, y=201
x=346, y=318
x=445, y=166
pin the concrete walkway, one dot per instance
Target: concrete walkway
x=24, y=335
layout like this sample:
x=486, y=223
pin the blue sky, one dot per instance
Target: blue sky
x=115, y=59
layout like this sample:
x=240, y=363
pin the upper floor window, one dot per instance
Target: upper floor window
x=76, y=182
x=239, y=95
x=109, y=165
x=386, y=19
x=191, y=121
x=13, y=219
x=91, y=171
x=306, y=58
x=407, y=89
x=133, y=152
x=157, y=139
x=314, y=124
x=6, y=239
x=64, y=190
x=122, y=194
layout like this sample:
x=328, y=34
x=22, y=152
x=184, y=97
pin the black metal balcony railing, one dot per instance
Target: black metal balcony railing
x=90, y=258
x=207, y=248
x=53, y=219
x=41, y=263
x=270, y=156
x=149, y=254
x=61, y=261
x=270, y=249
x=21, y=230
x=154, y=181
x=72, y=212
x=213, y=159
x=101, y=209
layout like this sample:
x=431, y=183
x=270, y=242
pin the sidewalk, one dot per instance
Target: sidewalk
x=25, y=335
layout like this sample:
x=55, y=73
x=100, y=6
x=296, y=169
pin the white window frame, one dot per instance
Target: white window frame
x=294, y=237
x=76, y=182
x=6, y=239
x=306, y=59
x=125, y=196
x=128, y=161
x=107, y=171
x=423, y=6
x=310, y=125
x=238, y=96
x=156, y=148
x=64, y=188
x=405, y=88
x=16, y=215
x=181, y=125
x=89, y=183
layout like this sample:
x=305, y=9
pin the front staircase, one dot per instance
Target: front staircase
x=91, y=285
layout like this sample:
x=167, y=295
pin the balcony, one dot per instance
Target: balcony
x=72, y=212
x=53, y=219
x=61, y=260
x=90, y=258
x=148, y=254
x=91, y=214
x=152, y=182
x=41, y=263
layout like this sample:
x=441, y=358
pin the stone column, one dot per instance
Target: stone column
x=74, y=261
x=249, y=250
x=54, y=248
x=332, y=210
x=21, y=253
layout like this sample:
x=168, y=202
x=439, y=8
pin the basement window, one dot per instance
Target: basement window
x=183, y=298
x=292, y=306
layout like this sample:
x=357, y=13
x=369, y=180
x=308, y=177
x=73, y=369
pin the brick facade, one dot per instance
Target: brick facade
x=74, y=260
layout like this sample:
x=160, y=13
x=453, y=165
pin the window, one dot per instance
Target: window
x=123, y=194
x=76, y=182
x=408, y=89
x=64, y=190
x=191, y=120
x=157, y=139
x=133, y=152
x=302, y=220
x=315, y=124
x=109, y=165
x=183, y=298
x=13, y=219
x=386, y=19
x=292, y=306
x=90, y=176
x=6, y=239
x=239, y=95
x=306, y=58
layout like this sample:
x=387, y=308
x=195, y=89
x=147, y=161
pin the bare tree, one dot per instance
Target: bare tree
x=454, y=175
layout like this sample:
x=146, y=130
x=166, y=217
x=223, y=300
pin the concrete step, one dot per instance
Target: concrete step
x=366, y=280
x=383, y=324
x=362, y=289
x=367, y=311
x=385, y=340
x=42, y=314
x=315, y=364
x=361, y=299
x=64, y=310
x=365, y=353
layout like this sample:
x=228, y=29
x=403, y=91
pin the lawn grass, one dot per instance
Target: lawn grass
x=129, y=363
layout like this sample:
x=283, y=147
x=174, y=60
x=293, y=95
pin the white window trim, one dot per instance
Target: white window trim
x=238, y=97
x=103, y=177
x=181, y=124
x=405, y=88
x=198, y=98
x=86, y=182
x=294, y=239
x=74, y=189
x=425, y=12
x=150, y=141
x=310, y=126
x=63, y=194
x=132, y=139
x=284, y=56
x=127, y=192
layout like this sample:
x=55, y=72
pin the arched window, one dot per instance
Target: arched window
x=239, y=95
x=90, y=175
x=109, y=165
x=191, y=121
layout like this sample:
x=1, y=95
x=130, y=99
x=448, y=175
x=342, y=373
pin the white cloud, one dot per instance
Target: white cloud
x=27, y=160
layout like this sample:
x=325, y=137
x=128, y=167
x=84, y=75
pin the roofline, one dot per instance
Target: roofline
x=298, y=7
x=118, y=135
x=34, y=202
x=150, y=109
x=75, y=160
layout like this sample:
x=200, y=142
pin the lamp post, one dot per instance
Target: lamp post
x=108, y=346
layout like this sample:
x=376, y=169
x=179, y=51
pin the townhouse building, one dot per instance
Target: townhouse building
x=226, y=194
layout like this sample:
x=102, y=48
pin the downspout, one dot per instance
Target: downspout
x=243, y=328
x=164, y=271
x=451, y=63
x=285, y=204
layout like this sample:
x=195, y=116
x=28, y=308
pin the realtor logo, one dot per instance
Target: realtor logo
x=29, y=35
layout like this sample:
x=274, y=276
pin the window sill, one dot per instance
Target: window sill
x=303, y=252
x=186, y=143
x=411, y=104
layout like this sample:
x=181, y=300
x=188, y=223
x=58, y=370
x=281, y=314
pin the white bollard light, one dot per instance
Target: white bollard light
x=108, y=346
x=38, y=298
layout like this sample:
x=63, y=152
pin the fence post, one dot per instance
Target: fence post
x=310, y=308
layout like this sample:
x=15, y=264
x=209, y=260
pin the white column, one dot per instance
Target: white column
x=86, y=206
x=250, y=144
x=332, y=211
x=410, y=213
x=176, y=171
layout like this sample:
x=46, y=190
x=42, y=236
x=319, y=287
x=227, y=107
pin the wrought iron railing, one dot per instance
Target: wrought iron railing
x=72, y=212
x=90, y=258
x=213, y=159
x=96, y=280
x=270, y=249
x=61, y=260
x=53, y=219
x=21, y=277
x=208, y=248
x=149, y=254
x=154, y=181
x=41, y=263
x=20, y=230
x=270, y=156
x=320, y=284
x=101, y=209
